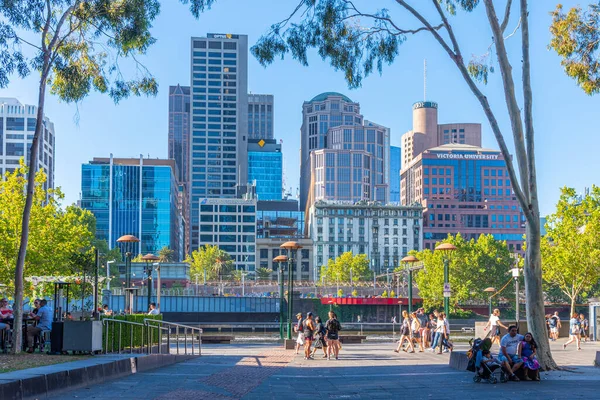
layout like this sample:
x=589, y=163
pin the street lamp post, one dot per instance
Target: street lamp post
x=491, y=291
x=280, y=260
x=515, y=273
x=158, y=285
x=150, y=259
x=446, y=248
x=128, y=239
x=409, y=262
x=291, y=247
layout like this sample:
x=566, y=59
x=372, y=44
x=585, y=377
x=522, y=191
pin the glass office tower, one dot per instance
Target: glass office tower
x=265, y=168
x=219, y=121
x=134, y=197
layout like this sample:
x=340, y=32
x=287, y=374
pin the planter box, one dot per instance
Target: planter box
x=82, y=336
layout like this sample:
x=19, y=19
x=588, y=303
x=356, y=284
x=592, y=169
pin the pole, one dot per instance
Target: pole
x=280, y=302
x=128, y=279
x=374, y=283
x=149, y=284
x=243, y=285
x=410, y=298
x=196, y=284
x=158, y=288
x=290, y=288
x=95, y=315
x=517, y=300
x=490, y=305
x=446, y=299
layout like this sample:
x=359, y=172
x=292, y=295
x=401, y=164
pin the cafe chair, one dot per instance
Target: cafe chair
x=44, y=341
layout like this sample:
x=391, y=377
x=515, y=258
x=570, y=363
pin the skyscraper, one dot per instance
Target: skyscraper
x=219, y=129
x=179, y=130
x=17, y=127
x=260, y=116
x=265, y=168
x=134, y=196
x=395, y=162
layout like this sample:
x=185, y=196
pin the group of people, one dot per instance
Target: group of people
x=426, y=331
x=40, y=319
x=313, y=334
x=578, y=327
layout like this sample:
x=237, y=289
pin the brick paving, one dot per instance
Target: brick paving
x=365, y=371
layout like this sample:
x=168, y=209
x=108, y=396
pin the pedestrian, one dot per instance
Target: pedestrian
x=415, y=328
x=445, y=334
x=333, y=327
x=153, y=310
x=574, y=332
x=298, y=328
x=423, y=329
x=308, y=328
x=584, y=327
x=405, y=334
x=553, y=323
x=431, y=325
x=320, y=342
x=494, y=324
x=558, y=324
x=438, y=332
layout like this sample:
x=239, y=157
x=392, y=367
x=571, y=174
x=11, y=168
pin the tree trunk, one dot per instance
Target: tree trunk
x=572, y=305
x=19, y=269
x=536, y=321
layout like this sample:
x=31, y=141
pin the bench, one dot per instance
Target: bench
x=467, y=330
x=216, y=339
x=352, y=339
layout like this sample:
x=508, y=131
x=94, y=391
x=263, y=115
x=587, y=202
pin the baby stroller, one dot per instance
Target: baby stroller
x=492, y=372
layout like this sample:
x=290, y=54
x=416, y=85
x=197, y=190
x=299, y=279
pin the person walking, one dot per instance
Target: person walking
x=438, y=332
x=415, y=327
x=405, y=334
x=553, y=323
x=584, y=327
x=574, y=332
x=298, y=328
x=423, y=329
x=308, y=328
x=431, y=325
x=332, y=328
x=494, y=324
x=320, y=342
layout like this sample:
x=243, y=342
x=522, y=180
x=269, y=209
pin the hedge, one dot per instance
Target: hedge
x=126, y=343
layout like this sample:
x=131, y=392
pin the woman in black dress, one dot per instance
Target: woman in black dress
x=320, y=342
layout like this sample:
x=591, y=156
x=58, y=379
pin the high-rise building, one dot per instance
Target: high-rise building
x=265, y=168
x=464, y=189
x=385, y=233
x=395, y=163
x=135, y=196
x=219, y=129
x=260, y=116
x=17, y=127
x=427, y=133
x=343, y=157
x=179, y=130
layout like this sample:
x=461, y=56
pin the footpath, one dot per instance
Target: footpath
x=364, y=371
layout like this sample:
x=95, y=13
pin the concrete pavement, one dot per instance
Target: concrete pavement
x=364, y=371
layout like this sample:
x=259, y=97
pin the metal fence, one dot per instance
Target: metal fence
x=200, y=304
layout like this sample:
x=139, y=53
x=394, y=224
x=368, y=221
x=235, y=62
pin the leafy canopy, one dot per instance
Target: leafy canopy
x=576, y=39
x=346, y=265
x=210, y=260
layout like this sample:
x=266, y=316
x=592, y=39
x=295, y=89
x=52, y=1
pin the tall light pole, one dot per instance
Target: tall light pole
x=515, y=273
x=280, y=260
x=291, y=247
x=158, y=285
x=128, y=239
x=491, y=291
x=446, y=249
x=150, y=259
x=108, y=274
x=409, y=261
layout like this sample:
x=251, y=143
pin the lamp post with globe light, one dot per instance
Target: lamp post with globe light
x=128, y=239
x=292, y=247
x=446, y=249
x=149, y=259
x=280, y=260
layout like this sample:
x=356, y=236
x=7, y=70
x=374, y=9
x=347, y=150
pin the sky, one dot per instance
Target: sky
x=567, y=122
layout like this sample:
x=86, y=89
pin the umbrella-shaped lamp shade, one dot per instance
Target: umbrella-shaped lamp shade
x=128, y=239
x=291, y=245
x=150, y=257
x=489, y=290
x=446, y=247
x=410, y=259
x=281, y=258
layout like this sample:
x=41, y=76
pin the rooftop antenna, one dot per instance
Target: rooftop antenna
x=425, y=79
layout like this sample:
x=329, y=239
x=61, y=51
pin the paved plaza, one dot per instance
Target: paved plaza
x=364, y=371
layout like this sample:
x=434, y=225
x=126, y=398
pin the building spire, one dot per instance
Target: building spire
x=425, y=79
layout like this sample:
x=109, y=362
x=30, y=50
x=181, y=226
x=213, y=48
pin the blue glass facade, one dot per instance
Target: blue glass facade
x=395, y=162
x=279, y=224
x=265, y=168
x=140, y=201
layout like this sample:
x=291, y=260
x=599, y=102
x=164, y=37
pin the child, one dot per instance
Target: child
x=490, y=361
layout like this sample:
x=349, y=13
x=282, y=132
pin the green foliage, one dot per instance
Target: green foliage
x=61, y=240
x=392, y=294
x=571, y=248
x=339, y=270
x=340, y=293
x=210, y=260
x=474, y=266
x=166, y=255
x=576, y=39
x=354, y=293
x=384, y=294
x=263, y=274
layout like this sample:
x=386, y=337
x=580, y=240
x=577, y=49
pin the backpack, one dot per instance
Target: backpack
x=301, y=325
x=334, y=326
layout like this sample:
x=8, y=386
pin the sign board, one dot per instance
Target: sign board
x=462, y=156
x=447, y=293
x=447, y=287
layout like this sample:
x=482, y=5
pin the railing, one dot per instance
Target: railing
x=138, y=337
x=170, y=326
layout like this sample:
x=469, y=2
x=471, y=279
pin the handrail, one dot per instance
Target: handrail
x=193, y=330
x=147, y=343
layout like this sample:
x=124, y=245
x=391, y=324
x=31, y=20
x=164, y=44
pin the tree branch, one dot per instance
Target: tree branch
x=506, y=15
x=46, y=25
x=448, y=27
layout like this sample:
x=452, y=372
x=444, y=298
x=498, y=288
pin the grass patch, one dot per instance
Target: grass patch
x=16, y=362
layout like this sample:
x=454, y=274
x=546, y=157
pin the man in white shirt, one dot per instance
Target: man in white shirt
x=509, y=348
x=153, y=309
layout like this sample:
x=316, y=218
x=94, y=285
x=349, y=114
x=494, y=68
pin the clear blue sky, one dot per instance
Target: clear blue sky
x=566, y=120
